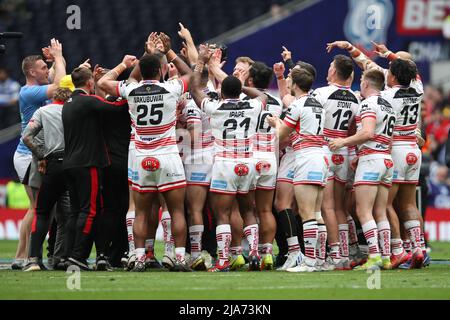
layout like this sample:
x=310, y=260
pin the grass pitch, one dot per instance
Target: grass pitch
x=429, y=283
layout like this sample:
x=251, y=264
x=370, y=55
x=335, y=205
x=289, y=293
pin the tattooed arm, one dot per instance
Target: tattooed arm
x=30, y=132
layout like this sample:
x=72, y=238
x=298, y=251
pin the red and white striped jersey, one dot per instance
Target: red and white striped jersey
x=381, y=110
x=406, y=103
x=265, y=138
x=233, y=125
x=306, y=115
x=195, y=116
x=153, y=112
x=340, y=104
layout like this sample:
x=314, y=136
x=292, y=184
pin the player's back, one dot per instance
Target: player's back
x=377, y=108
x=406, y=103
x=340, y=104
x=233, y=124
x=152, y=107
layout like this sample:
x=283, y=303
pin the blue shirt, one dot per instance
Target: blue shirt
x=31, y=98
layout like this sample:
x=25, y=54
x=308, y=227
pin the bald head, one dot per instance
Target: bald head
x=404, y=55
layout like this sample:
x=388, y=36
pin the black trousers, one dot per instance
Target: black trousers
x=53, y=189
x=116, y=201
x=85, y=220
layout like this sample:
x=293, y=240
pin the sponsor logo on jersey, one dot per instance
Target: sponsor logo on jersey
x=337, y=159
x=241, y=170
x=366, y=21
x=388, y=163
x=411, y=159
x=150, y=164
x=263, y=167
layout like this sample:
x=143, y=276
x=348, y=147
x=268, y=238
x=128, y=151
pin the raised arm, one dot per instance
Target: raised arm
x=195, y=87
x=360, y=58
x=108, y=82
x=215, y=66
x=59, y=66
x=192, y=53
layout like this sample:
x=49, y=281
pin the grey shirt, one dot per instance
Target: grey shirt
x=49, y=119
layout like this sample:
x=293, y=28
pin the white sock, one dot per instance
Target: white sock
x=195, y=235
x=397, y=246
x=293, y=245
x=343, y=240
x=251, y=232
x=413, y=229
x=166, y=223
x=266, y=248
x=235, y=251
x=140, y=254
x=371, y=234
x=384, y=233
x=321, y=246
x=130, y=220
x=223, y=237
x=407, y=245
x=352, y=234
x=180, y=253
x=334, y=251
x=310, y=240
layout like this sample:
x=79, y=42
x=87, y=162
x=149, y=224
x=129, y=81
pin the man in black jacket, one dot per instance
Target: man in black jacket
x=84, y=158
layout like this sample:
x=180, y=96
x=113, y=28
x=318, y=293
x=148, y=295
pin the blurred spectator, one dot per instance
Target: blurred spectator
x=9, y=97
x=439, y=188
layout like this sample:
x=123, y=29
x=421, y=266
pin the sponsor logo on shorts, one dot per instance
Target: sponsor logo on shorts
x=171, y=175
x=395, y=175
x=290, y=174
x=150, y=164
x=388, y=163
x=326, y=161
x=241, y=169
x=263, y=167
x=219, y=184
x=198, y=176
x=133, y=175
x=315, y=175
x=371, y=176
x=411, y=159
x=337, y=159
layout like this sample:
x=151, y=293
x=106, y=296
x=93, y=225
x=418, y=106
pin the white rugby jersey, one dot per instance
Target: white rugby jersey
x=340, y=104
x=265, y=138
x=406, y=103
x=306, y=115
x=381, y=110
x=152, y=107
x=194, y=116
x=233, y=125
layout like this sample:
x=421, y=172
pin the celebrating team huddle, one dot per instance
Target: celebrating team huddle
x=305, y=167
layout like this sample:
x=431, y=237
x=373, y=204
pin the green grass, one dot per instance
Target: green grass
x=429, y=283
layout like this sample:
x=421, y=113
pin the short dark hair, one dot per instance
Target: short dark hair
x=150, y=65
x=302, y=78
x=375, y=78
x=231, y=87
x=344, y=66
x=308, y=67
x=261, y=74
x=404, y=71
x=29, y=62
x=81, y=76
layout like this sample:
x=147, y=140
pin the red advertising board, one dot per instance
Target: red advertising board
x=421, y=17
